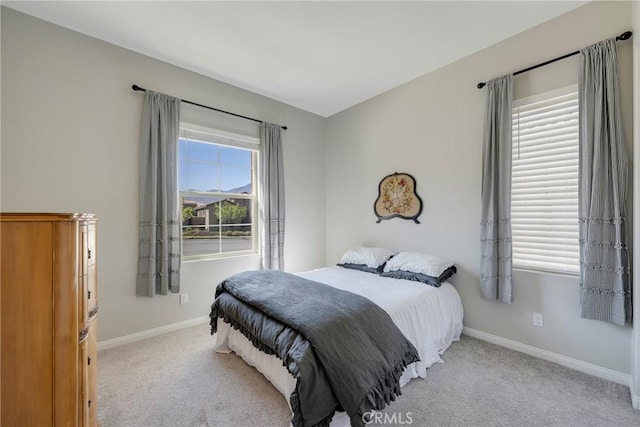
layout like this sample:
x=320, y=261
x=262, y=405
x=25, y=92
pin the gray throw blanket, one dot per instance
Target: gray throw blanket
x=344, y=351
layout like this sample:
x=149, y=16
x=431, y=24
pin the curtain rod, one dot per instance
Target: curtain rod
x=138, y=88
x=624, y=36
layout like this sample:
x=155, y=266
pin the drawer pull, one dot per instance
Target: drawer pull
x=89, y=360
x=89, y=403
x=88, y=294
x=89, y=253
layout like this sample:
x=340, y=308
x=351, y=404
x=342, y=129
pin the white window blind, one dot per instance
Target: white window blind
x=544, y=191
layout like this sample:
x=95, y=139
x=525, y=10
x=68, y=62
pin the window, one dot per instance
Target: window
x=217, y=184
x=544, y=191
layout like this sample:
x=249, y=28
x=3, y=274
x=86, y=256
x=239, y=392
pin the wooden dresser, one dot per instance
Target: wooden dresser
x=49, y=306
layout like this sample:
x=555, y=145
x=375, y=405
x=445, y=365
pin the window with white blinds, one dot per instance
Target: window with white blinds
x=544, y=190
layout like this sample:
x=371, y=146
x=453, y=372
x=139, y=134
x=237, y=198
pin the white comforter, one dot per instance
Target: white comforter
x=431, y=318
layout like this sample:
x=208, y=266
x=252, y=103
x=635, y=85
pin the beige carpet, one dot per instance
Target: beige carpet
x=177, y=380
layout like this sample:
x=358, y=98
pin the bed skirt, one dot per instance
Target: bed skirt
x=230, y=340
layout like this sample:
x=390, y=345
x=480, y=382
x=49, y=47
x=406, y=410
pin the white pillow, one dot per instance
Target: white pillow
x=371, y=257
x=430, y=265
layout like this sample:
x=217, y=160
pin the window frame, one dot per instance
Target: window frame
x=238, y=141
x=516, y=263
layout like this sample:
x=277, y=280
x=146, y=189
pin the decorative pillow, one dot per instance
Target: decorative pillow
x=419, y=277
x=427, y=264
x=371, y=257
x=362, y=267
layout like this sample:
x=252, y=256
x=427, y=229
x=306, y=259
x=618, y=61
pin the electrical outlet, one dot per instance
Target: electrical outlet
x=538, y=320
x=184, y=298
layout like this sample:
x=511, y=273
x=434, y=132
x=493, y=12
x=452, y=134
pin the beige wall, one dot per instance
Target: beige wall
x=432, y=129
x=70, y=143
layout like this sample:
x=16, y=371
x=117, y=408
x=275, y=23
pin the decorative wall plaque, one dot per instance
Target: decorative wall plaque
x=397, y=198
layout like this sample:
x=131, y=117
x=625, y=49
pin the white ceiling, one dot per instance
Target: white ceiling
x=322, y=57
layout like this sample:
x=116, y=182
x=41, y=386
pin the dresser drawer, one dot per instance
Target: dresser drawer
x=91, y=245
x=83, y=301
x=92, y=291
x=88, y=376
x=83, y=390
x=84, y=249
x=92, y=375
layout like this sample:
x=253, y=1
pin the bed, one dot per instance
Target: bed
x=429, y=317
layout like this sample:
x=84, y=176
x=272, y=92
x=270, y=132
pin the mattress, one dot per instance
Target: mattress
x=429, y=317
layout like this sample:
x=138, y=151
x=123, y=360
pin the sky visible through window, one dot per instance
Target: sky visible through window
x=215, y=224
x=210, y=167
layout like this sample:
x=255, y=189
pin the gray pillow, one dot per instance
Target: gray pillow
x=419, y=277
x=363, y=267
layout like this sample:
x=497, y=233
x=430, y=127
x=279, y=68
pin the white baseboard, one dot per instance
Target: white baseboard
x=578, y=365
x=114, y=342
x=635, y=397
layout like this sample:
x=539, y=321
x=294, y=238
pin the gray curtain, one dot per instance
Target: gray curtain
x=272, y=194
x=605, y=287
x=495, y=225
x=159, y=207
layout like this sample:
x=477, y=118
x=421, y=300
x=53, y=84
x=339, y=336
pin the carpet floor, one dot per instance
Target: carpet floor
x=178, y=380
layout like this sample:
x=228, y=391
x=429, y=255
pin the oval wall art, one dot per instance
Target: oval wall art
x=397, y=198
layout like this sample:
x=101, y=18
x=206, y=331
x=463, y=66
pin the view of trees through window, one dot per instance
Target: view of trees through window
x=216, y=183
